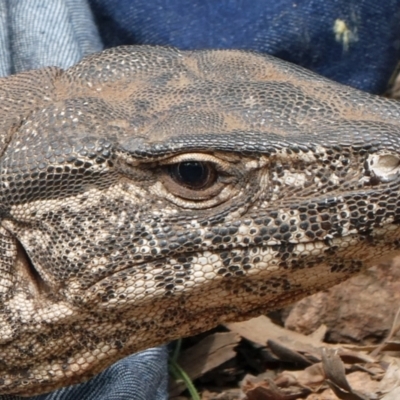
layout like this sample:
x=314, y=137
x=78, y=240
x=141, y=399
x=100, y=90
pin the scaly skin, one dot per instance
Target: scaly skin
x=148, y=194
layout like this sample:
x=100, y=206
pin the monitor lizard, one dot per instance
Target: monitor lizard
x=148, y=194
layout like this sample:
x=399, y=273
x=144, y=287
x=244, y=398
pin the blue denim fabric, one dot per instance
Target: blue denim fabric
x=35, y=34
x=355, y=42
x=38, y=33
x=142, y=376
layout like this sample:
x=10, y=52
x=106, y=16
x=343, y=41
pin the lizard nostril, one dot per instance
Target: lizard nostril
x=386, y=167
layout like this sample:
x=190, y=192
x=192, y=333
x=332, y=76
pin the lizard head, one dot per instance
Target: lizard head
x=148, y=194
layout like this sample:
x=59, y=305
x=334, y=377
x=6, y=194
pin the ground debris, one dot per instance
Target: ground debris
x=265, y=360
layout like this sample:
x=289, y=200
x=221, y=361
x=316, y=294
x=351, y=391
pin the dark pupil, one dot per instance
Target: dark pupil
x=192, y=174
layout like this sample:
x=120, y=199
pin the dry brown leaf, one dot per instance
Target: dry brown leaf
x=230, y=394
x=261, y=329
x=392, y=395
x=206, y=355
x=391, y=379
x=266, y=389
x=336, y=377
x=363, y=382
x=311, y=377
x=324, y=395
x=284, y=353
x=319, y=334
x=354, y=357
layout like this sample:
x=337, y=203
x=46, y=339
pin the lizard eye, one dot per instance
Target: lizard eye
x=196, y=180
x=194, y=175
